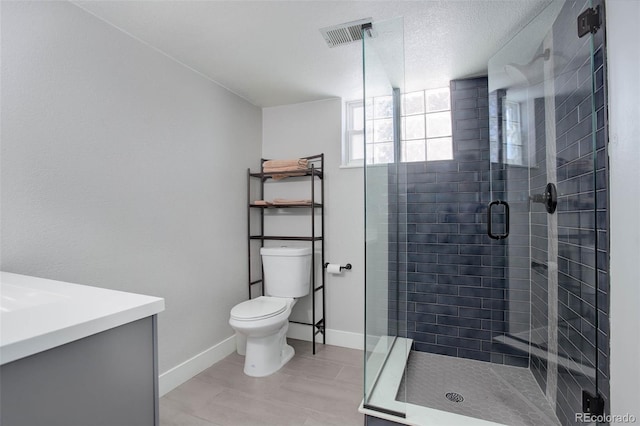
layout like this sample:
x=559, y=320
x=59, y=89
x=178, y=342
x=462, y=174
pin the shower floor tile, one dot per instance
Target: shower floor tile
x=493, y=392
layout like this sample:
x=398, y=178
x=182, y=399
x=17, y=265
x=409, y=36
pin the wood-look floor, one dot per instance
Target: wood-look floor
x=310, y=390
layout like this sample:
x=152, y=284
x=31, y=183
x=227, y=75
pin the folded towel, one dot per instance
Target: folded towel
x=281, y=201
x=262, y=203
x=278, y=173
x=285, y=169
x=281, y=176
x=299, y=163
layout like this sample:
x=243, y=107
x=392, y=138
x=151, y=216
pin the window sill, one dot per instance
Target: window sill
x=369, y=166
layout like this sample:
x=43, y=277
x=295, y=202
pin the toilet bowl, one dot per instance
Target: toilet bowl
x=261, y=326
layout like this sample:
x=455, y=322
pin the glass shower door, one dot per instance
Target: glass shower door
x=547, y=186
x=385, y=217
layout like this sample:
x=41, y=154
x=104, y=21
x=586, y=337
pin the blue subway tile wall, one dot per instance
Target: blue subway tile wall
x=582, y=215
x=459, y=300
x=540, y=252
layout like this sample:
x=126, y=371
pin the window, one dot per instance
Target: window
x=513, y=145
x=353, y=147
x=425, y=128
x=508, y=123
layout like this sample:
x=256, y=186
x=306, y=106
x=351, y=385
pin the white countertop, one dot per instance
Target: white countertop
x=37, y=314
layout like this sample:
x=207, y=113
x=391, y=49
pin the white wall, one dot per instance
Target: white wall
x=306, y=129
x=623, y=39
x=123, y=169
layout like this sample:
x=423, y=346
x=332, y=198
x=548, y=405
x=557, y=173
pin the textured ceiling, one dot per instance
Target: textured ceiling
x=271, y=52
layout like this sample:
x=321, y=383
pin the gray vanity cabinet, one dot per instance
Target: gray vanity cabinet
x=106, y=379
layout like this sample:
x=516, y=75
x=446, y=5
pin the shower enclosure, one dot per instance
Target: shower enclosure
x=487, y=271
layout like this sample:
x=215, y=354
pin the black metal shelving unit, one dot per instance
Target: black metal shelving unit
x=314, y=172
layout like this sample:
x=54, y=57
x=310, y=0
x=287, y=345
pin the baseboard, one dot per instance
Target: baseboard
x=346, y=339
x=179, y=374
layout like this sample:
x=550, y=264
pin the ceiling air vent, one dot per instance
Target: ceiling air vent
x=346, y=33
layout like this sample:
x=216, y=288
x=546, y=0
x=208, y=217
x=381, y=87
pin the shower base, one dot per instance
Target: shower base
x=491, y=392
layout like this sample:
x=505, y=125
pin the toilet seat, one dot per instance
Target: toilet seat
x=260, y=308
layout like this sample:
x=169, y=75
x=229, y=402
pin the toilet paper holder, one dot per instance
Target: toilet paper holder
x=347, y=266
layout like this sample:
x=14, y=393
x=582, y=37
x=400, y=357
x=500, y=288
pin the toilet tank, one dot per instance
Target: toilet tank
x=287, y=271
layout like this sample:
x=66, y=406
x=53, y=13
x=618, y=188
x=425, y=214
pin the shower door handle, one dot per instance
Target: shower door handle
x=506, y=220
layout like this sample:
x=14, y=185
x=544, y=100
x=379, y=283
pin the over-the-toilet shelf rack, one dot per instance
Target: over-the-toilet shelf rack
x=315, y=171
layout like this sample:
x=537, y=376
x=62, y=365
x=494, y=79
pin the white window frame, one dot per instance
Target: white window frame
x=426, y=113
x=510, y=140
x=350, y=132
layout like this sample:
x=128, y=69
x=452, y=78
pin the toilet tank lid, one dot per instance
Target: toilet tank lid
x=285, y=251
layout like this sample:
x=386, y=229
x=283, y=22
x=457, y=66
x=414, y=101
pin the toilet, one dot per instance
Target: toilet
x=261, y=324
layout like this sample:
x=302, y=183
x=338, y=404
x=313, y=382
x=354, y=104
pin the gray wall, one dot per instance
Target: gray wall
x=623, y=60
x=123, y=169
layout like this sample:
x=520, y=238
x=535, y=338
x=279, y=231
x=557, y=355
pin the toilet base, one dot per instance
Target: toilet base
x=287, y=353
x=267, y=354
